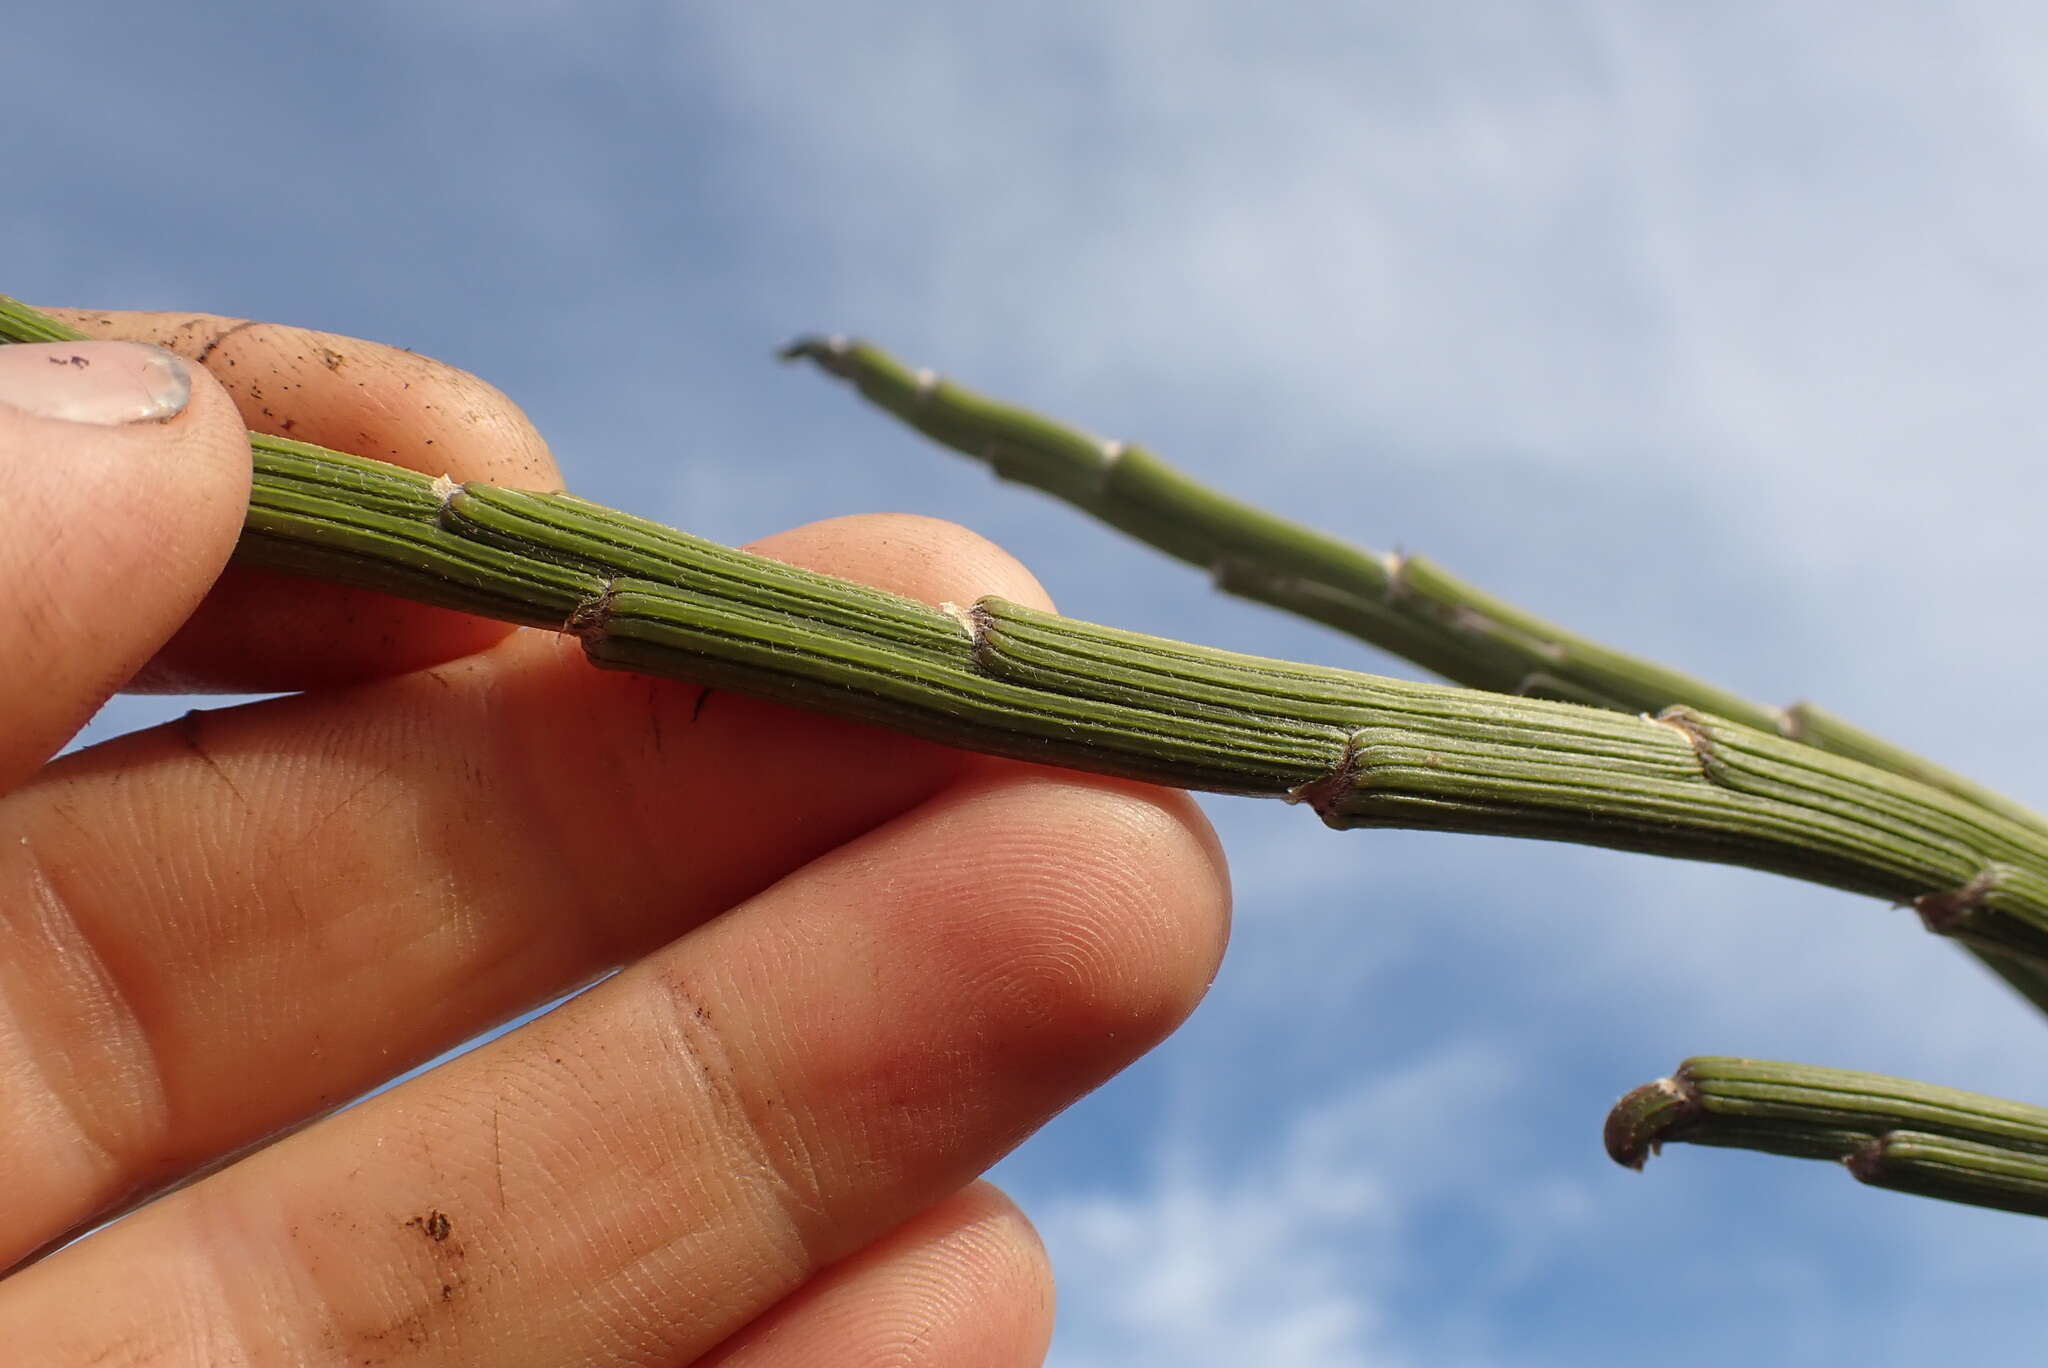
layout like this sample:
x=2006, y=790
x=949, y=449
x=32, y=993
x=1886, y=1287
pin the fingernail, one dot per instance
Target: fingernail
x=109, y=383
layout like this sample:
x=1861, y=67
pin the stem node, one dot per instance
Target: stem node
x=589, y=619
x=1946, y=911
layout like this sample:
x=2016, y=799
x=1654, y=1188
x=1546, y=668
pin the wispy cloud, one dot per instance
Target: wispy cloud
x=1286, y=1250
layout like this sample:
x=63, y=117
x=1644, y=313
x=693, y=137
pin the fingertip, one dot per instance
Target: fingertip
x=992, y=1223
x=261, y=631
x=967, y=1281
x=923, y=558
x=364, y=398
x=937, y=561
x=1114, y=911
x=110, y=536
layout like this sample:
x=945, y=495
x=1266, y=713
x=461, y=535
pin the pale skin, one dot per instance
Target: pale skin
x=859, y=969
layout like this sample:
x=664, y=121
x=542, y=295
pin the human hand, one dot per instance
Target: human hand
x=860, y=968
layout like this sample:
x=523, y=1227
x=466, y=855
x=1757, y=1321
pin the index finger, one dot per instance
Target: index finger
x=259, y=631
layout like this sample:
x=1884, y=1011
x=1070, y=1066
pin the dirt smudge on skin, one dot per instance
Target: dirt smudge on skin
x=435, y=1225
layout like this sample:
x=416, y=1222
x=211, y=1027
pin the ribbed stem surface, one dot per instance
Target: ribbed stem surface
x=1889, y=1132
x=1008, y=680
x=1402, y=603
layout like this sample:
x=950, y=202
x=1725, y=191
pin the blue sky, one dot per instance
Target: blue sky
x=1713, y=331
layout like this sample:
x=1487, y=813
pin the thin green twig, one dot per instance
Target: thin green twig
x=1403, y=603
x=1889, y=1132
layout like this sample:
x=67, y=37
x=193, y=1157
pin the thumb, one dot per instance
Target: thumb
x=124, y=474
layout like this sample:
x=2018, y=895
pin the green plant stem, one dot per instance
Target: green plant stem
x=1889, y=1132
x=1402, y=603
x=1362, y=751
x=1000, y=678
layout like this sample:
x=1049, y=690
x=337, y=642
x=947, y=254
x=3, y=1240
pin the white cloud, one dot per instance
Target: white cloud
x=1286, y=1251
